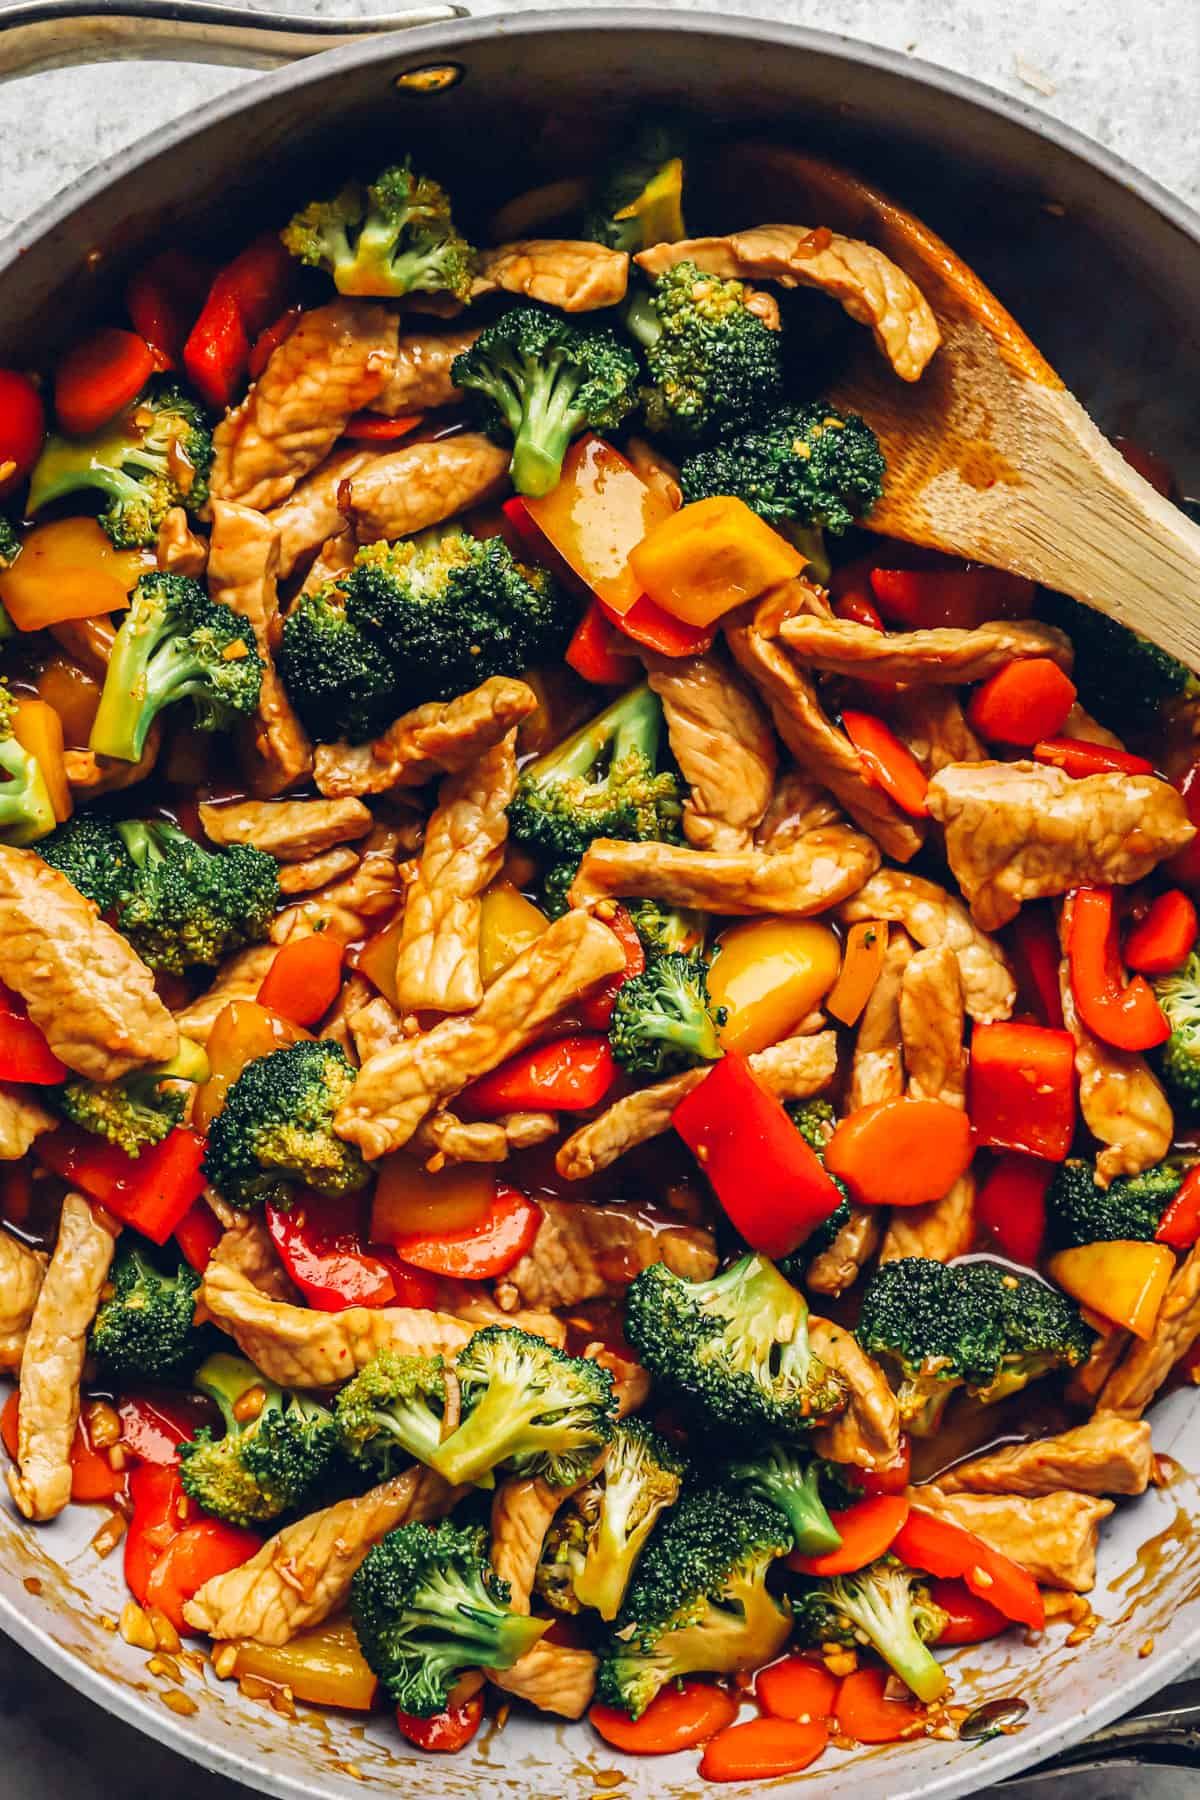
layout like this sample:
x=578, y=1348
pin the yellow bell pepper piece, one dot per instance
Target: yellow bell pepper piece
x=323, y=1667
x=38, y=729
x=508, y=924
x=769, y=973
x=378, y=957
x=411, y=1198
x=862, y=960
x=74, y=695
x=711, y=556
x=1123, y=1281
x=659, y=207
x=242, y=1032
x=69, y=570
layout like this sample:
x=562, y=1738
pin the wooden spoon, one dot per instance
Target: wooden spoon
x=989, y=455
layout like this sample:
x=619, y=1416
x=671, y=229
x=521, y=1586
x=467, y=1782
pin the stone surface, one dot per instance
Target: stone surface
x=1127, y=76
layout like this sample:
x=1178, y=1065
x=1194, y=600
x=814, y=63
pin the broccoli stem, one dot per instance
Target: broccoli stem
x=476, y=1632
x=549, y=421
x=885, y=1615
x=632, y=723
x=144, y=675
x=797, y=1494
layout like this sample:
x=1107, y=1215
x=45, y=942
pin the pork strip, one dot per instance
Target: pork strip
x=82, y=983
x=1108, y=1455
x=398, y=1088
x=571, y=275
x=177, y=549
x=868, y=1432
x=556, y=1678
x=933, y=917
x=1120, y=1097
x=316, y=871
x=336, y=361
x=311, y=515
x=289, y=830
x=437, y=967
x=435, y=739
x=22, y=1272
x=723, y=744
x=584, y=1252
x=1053, y=1536
x=407, y=490
x=52, y=1364
x=947, y=656
x=818, y=871
x=1025, y=830
x=303, y=1574
x=933, y=725
x=421, y=378
x=22, y=1119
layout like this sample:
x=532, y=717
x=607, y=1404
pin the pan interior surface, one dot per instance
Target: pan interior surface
x=1106, y=281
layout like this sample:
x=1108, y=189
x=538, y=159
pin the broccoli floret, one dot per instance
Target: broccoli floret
x=140, y=1109
x=641, y=1478
x=1179, y=996
x=340, y=683
x=10, y=549
x=26, y=809
x=1122, y=677
x=394, y=237
x=972, y=1326
x=544, y=379
x=698, y=1602
x=889, y=1606
x=145, y=1329
x=1080, y=1211
x=561, y=1562
x=815, y=1121
x=602, y=781
x=188, y=906
x=155, y=455
x=714, y=367
x=808, y=464
x=392, y=1412
x=528, y=1407
x=665, y=931
x=175, y=644
x=663, y=1021
x=427, y=1607
x=276, y=1128
x=276, y=1447
x=639, y=200
x=784, y=1478
x=91, y=853
x=733, y=1350
x=447, y=610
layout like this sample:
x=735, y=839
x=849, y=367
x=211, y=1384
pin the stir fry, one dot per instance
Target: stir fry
x=598, y=1067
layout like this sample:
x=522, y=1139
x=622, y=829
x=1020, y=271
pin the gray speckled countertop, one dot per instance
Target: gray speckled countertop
x=1126, y=75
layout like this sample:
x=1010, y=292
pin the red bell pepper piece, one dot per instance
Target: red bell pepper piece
x=161, y=1509
x=1163, y=940
x=374, y=428
x=1022, y=703
x=855, y=606
x=270, y=337
x=923, y=599
x=22, y=427
x=446, y=1731
x=867, y=1530
x=893, y=1477
x=887, y=763
x=969, y=1619
x=593, y=651
x=768, y=1180
x=25, y=1054
x=1180, y=1224
x=947, y=1550
x=1021, y=1088
x=163, y=298
x=303, y=981
x=568, y=1074
x=1037, y=954
x=1011, y=1205
x=98, y=377
x=1081, y=759
x=648, y=623
x=597, y=1010
x=243, y=300
x=478, y=1252
x=154, y=1425
x=529, y=543
x=152, y=1192
x=195, y=1555
x=321, y=1245
x=198, y=1233
x=1125, y=1015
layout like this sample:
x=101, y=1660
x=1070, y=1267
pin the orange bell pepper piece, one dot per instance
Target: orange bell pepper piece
x=710, y=557
x=38, y=729
x=862, y=960
x=69, y=570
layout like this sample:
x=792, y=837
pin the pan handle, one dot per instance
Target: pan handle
x=52, y=34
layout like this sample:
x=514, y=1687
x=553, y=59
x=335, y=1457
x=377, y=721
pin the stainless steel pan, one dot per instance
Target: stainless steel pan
x=1100, y=265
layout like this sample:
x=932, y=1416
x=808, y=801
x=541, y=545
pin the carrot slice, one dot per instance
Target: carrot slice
x=100, y=376
x=867, y=1531
x=302, y=983
x=676, y=1719
x=900, y=1152
x=887, y=763
x=796, y=1689
x=1022, y=703
x=761, y=1748
x=864, y=1713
